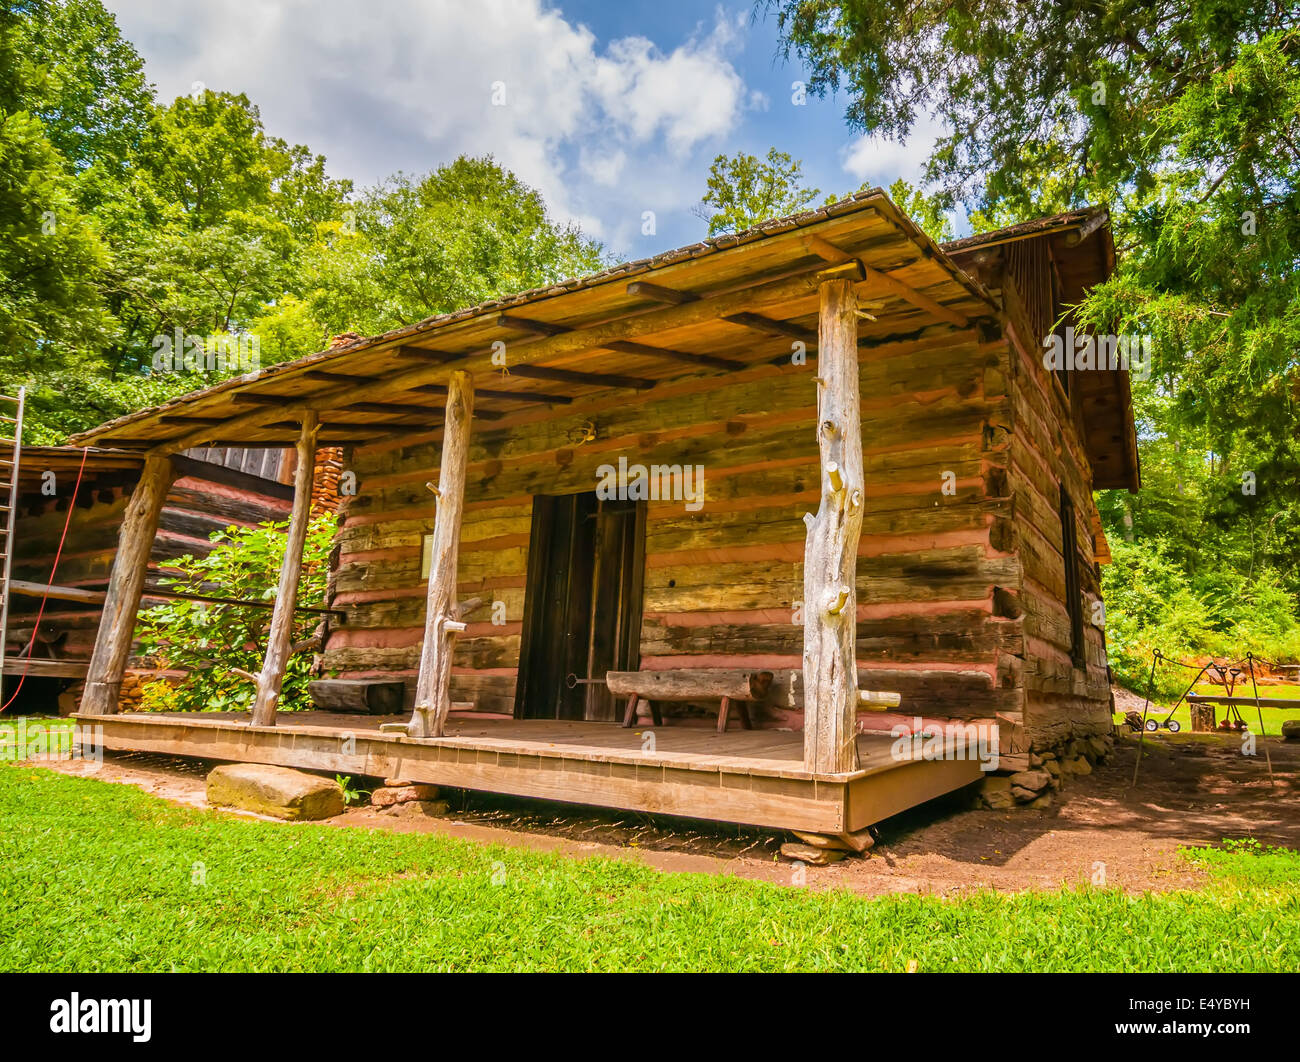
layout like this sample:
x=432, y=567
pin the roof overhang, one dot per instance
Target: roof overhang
x=729, y=303
x=734, y=302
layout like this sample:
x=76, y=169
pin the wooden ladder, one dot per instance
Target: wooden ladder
x=11, y=446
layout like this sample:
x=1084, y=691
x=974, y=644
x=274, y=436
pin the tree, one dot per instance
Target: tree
x=125, y=223
x=50, y=252
x=744, y=191
x=466, y=232
x=93, y=99
x=926, y=210
x=1183, y=118
x=213, y=225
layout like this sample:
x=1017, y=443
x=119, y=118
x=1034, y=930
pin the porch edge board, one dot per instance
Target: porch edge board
x=653, y=787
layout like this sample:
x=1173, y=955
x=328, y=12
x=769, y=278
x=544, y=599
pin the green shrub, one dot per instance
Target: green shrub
x=209, y=640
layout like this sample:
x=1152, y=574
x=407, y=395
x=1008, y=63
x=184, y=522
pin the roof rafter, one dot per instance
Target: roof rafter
x=875, y=278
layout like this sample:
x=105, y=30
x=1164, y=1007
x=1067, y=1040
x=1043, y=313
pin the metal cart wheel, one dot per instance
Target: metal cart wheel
x=1174, y=726
x=1153, y=725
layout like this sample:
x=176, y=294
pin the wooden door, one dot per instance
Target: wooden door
x=582, y=605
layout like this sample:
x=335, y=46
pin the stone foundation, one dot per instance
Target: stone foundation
x=1050, y=770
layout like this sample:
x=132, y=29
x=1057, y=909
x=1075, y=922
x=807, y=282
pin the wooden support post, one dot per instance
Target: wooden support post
x=442, y=620
x=125, y=585
x=830, y=672
x=279, y=642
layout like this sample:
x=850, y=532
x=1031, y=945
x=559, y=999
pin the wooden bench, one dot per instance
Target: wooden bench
x=728, y=686
x=1250, y=702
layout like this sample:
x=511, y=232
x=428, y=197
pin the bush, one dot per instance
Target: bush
x=209, y=640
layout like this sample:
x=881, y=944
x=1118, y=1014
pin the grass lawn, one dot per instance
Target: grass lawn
x=97, y=876
x=1273, y=717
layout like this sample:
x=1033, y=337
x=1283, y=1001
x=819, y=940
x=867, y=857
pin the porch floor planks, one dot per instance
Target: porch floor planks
x=778, y=752
x=746, y=776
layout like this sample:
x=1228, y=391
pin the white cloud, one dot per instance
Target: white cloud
x=882, y=162
x=408, y=84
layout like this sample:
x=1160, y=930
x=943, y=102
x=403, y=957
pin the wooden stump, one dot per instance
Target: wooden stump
x=1203, y=720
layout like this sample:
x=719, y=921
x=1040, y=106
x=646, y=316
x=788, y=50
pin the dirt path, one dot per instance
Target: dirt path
x=1192, y=789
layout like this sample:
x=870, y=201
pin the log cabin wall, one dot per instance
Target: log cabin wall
x=722, y=584
x=1065, y=676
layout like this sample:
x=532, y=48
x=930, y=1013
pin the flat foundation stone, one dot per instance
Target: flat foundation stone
x=806, y=853
x=278, y=791
x=820, y=840
x=858, y=840
x=419, y=809
x=388, y=795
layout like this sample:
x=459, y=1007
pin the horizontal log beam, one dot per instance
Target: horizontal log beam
x=586, y=379
x=399, y=409
x=441, y=357
x=670, y=296
x=770, y=327
x=323, y=376
x=510, y=396
x=532, y=327
x=629, y=327
x=684, y=357
x=548, y=329
x=164, y=446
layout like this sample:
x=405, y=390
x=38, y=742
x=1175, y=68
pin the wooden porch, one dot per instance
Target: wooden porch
x=754, y=777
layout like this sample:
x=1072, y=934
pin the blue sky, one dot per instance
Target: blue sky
x=610, y=109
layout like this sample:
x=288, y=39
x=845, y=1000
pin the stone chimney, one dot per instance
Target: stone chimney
x=345, y=339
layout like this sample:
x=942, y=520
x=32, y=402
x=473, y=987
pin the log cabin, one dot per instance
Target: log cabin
x=701, y=534
x=88, y=492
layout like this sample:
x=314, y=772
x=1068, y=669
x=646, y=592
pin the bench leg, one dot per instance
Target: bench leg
x=629, y=716
x=745, y=720
x=724, y=710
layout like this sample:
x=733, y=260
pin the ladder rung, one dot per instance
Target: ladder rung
x=9, y=420
x=9, y=398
